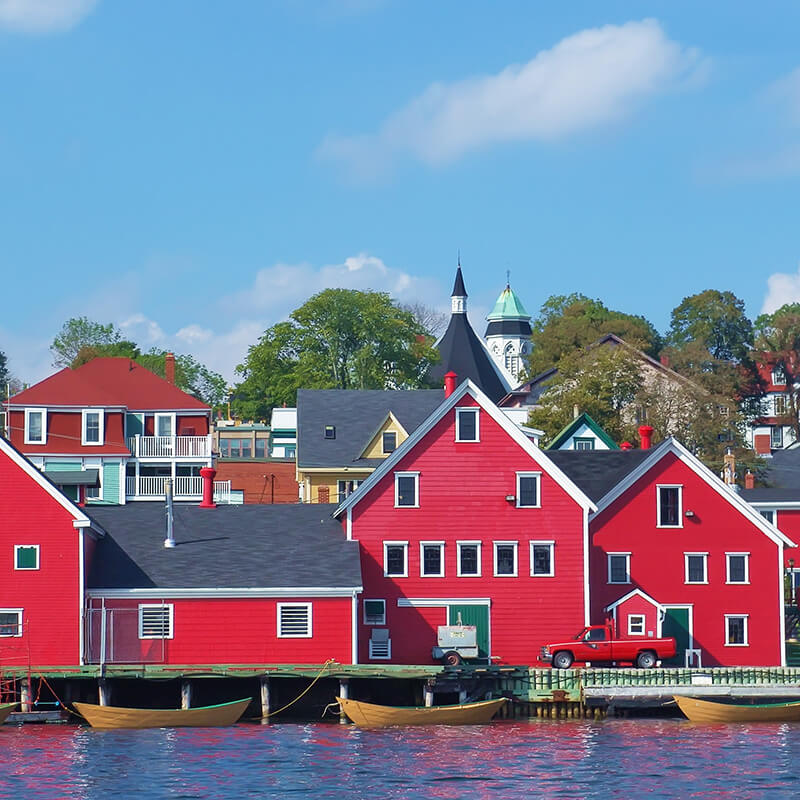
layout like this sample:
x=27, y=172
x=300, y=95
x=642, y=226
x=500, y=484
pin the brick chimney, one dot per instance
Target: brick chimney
x=749, y=480
x=646, y=436
x=207, y=474
x=449, y=383
x=169, y=367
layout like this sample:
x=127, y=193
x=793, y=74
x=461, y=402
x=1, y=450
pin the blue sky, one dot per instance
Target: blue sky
x=194, y=171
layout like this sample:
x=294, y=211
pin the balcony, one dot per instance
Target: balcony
x=170, y=446
x=186, y=487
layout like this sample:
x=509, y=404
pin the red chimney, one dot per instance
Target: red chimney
x=449, y=383
x=664, y=360
x=749, y=480
x=207, y=474
x=626, y=446
x=169, y=367
x=646, y=436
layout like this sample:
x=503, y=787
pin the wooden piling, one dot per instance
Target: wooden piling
x=344, y=693
x=186, y=694
x=264, y=699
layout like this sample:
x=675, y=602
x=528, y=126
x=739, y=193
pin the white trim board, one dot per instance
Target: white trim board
x=438, y=602
x=179, y=593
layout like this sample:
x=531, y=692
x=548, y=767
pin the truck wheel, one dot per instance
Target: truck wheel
x=452, y=658
x=562, y=660
x=646, y=659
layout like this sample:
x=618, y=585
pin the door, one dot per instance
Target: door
x=676, y=623
x=477, y=615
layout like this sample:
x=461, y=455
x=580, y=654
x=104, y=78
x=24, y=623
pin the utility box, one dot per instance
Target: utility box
x=455, y=643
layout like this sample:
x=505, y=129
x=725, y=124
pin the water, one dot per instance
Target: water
x=539, y=758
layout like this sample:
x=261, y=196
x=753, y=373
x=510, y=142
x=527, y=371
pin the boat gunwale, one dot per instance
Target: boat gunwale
x=150, y=710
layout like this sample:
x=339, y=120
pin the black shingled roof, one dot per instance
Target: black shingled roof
x=776, y=496
x=783, y=469
x=356, y=416
x=597, y=472
x=237, y=547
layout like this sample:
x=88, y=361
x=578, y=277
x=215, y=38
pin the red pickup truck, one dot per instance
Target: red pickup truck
x=596, y=643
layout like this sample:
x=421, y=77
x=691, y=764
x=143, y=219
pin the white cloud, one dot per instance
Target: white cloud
x=43, y=16
x=146, y=333
x=782, y=288
x=594, y=77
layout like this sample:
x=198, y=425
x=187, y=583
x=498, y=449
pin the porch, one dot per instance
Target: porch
x=144, y=447
x=185, y=487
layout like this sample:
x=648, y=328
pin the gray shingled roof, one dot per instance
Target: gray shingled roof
x=250, y=546
x=783, y=469
x=596, y=472
x=356, y=416
x=776, y=496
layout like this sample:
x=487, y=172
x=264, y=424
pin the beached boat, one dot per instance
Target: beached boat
x=5, y=710
x=203, y=716
x=712, y=711
x=369, y=715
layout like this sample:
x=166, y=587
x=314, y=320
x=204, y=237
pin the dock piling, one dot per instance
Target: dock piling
x=186, y=694
x=264, y=699
x=344, y=693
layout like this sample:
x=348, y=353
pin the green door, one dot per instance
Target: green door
x=473, y=615
x=676, y=624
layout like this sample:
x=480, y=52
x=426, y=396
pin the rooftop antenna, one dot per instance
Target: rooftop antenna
x=459, y=256
x=508, y=279
x=170, y=540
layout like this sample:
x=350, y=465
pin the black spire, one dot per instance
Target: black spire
x=458, y=286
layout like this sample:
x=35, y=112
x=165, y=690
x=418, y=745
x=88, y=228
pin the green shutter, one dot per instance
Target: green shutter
x=134, y=423
x=62, y=466
x=111, y=482
x=27, y=557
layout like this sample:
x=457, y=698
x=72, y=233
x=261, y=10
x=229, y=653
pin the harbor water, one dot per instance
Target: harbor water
x=666, y=758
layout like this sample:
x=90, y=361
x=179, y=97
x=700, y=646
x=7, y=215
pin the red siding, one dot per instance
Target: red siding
x=261, y=481
x=636, y=605
x=198, y=423
x=64, y=435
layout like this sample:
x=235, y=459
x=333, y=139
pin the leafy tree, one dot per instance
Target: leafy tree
x=5, y=377
x=123, y=348
x=80, y=332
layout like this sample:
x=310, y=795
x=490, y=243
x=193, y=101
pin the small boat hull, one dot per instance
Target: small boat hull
x=710, y=711
x=5, y=710
x=369, y=715
x=119, y=717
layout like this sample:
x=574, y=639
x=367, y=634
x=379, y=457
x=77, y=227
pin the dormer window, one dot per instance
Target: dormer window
x=330, y=431
x=467, y=425
x=35, y=426
x=92, y=427
x=779, y=375
x=389, y=442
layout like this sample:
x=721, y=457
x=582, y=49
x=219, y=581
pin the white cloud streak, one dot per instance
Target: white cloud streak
x=782, y=288
x=43, y=16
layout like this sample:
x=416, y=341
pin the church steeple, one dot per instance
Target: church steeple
x=458, y=298
x=508, y=334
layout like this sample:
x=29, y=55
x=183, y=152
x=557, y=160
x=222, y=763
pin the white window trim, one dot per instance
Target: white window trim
x=101, y=425
x=627, y=557
x=468, y=543
x=309, y=631
x=472, y=410
x=397, y=476
x=746, y=580
x=642, y=618
x=170, y=612
x=364, y=610
x=386, y=546
x=746, y=618
x=158, y=416
x=538, y=476
x=544, y=543
x=383, y=446
x=18, y=612
x=17, y=548
x=778, y=376
x=28, y=413
x=422, y=573
x=686, y=557
x=677, y=486
x=509, y=543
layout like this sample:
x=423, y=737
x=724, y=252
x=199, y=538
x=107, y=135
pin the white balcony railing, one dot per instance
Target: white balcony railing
x=170, y=446
x=152, y=486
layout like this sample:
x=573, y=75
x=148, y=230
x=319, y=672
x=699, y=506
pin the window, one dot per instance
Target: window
x=696, y=567
x=35, y=426
x=155, y=621
x=635, y=624
x=780, y=405
x=224, y=448
x=738, y=567
x=95, y=492
x=330, y=431
x=768, y=514
x=431, y=559
x=469, y=559
x=542, y=559
x=467, y=425
x=26, y=556
x=389, y=441
x=779, y=375
x=669, y=506
x=261, y=448
x=505, y=559
x=395, y=559
x=346, y=488
x=528, y=490
x=247, y=448
x=619, y=567
x=235, y=447
x=294, y=620
x=776, y=437
x=165, y=424
x=405, y=489
x=736, y=630
x=10, y=622
x=92, y=428
x=583, y=442
x=374, y=612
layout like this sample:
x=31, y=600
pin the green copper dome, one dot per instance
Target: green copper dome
x=508, y=306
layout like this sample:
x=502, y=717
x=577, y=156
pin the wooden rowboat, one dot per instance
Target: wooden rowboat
x=710, y=711
x=5, y=710
x=369, y=715
x=203, y=716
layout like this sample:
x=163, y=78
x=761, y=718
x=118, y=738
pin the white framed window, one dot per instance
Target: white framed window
x=467, y=425
x=736, y=633
x=505, y=559
x=528, y=495
x=389, y=442
x=10, y=622
x=345, y=488
x=469, y=559
x=164, y=425
x=670, y=506
x=431, y=559
x=768, y=514
x=92, y=425
x=737, y=567
x=156, y=620
x=374, y=612
x=583, y=442
x=776, y=437
x=294, y=620
x=780, y=405
x=635, y=624
x=619, y=567
x=395, y=559
x=695, y=567
x=778, y=375
x=35, y=426
x=26, y=556
x=406, y=490
x=542, y=564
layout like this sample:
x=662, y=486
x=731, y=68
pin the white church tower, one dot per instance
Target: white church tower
x=508, y=334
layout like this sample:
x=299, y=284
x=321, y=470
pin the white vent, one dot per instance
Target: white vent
x=155, y=621
x=294, y=620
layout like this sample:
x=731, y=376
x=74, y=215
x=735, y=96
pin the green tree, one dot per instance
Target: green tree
x=190, y=375
x=80, y=332
x=121, y=349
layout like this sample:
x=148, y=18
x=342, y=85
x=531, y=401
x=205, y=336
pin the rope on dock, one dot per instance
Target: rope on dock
x=303, y=693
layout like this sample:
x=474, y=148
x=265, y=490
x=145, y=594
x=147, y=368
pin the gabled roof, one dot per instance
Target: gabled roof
x=576, y=424
x=108, y=382
x=390, y=417
x=783, y=469
x=635, y=593
x=281, y=546
x=514, y=432
x=356, y=415
x=597, y=472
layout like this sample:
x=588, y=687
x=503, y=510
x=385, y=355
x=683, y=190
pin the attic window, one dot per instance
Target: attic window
x=389, y=442
x=330, y=431
x=467, y=426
